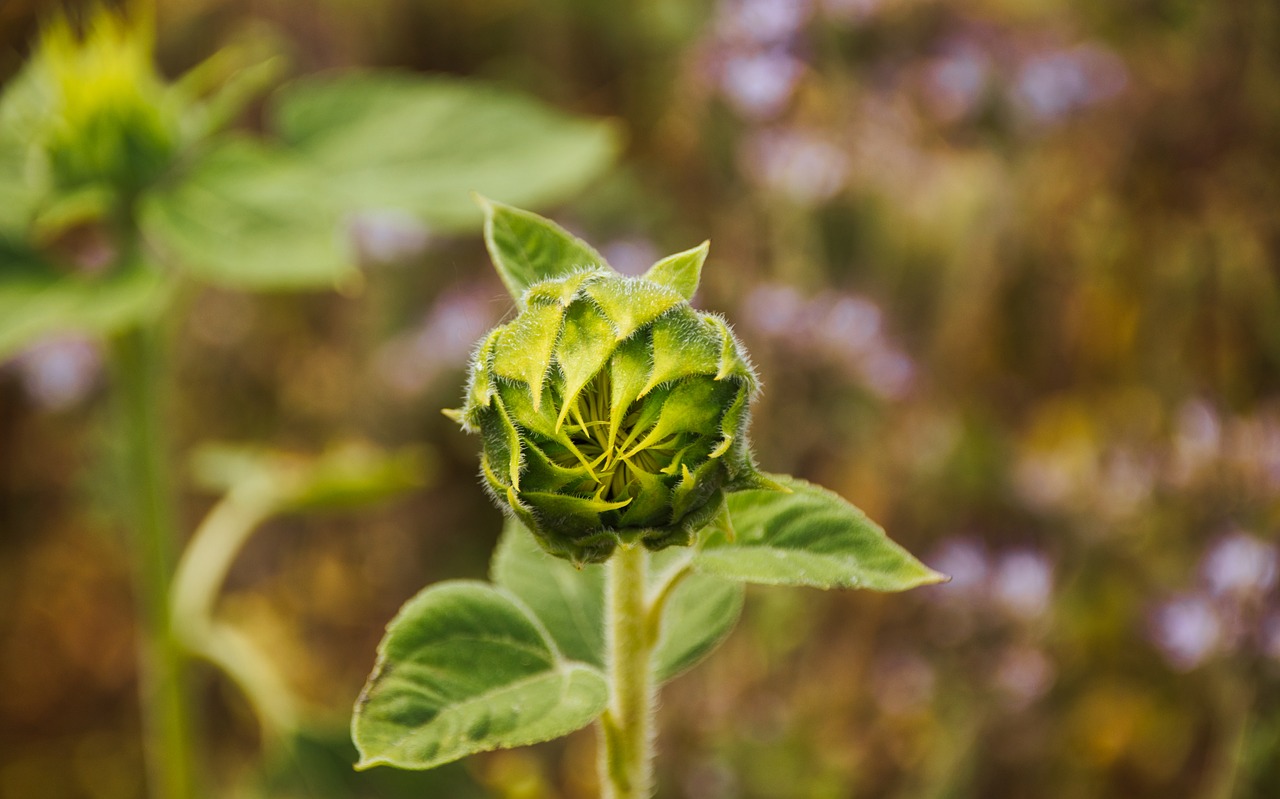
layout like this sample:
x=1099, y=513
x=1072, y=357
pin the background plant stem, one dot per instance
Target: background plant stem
x=165, y=711
x=196, y=583
x=626, y=739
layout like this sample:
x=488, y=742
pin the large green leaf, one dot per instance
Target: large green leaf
x=251, y=216
x=23, y=181
x=526, y=249
x=19, y=192
x=37, y=301
x=700, y=614
x=465, y=668
x=570, y=602
x=808, y=537
x=423, y=145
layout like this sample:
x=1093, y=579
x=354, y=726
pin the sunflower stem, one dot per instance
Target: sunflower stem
x=162, y=694
x=627, y=731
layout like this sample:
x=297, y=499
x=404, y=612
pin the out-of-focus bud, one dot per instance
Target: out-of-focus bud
x=109, y=118
x=611, y=411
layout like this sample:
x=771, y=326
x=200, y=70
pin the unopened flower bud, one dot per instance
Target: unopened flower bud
x=611, y=411
x=108, y=117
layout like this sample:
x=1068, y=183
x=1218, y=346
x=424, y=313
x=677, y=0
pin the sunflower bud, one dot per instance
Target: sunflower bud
x=610, y=410
x=109, y=118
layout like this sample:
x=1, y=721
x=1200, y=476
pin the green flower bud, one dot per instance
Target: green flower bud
x=611, y=411
x=109, y=117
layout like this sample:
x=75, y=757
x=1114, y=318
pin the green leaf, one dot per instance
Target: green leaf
x=37, y=301
x=808, y=537
x=527, y=249
x=681, y=271
x=568, y=601
x=19, y=197
x=423, y=145
x=464, y=668
x=700, y=613
x=251, y=216
x=23, y=180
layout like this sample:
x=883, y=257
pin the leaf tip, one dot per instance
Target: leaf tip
x=932, y=577
x=365, y=763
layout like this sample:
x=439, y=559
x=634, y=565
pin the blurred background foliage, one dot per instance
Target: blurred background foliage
x=1010, y=270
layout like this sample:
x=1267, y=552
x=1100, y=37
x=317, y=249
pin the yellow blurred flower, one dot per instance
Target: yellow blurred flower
x=109, y=117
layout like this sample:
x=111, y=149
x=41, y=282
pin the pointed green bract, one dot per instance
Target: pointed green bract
x=524, y=348
x=684, y=344
x=681, y=271
x=808, y=537
x=465, y=668
x=631, y=303
x=732, y=364
x=583, y=350
x=527, y=249
x=628, y=372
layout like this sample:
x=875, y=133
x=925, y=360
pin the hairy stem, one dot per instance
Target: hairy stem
x=165, y=710
x=626, y=739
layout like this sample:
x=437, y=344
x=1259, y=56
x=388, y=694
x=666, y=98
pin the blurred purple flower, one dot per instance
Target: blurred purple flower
x=1239, y=565
x=442, y=342
x=843, y=329
x=966, y=561
x=799, y=164
x=954, y=83
x=60, y=372
x=1187, y=630
x=773, y=309
x=759, y=85
x=1024, y=674
x=1126, y=481
x=1051, y=85
x=903, y=684
x=1197, y=440
x=889, y=373
x=630, y=256
x=1023, y=583
x=762, y=22
x=388, y=236
x=851, y=322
